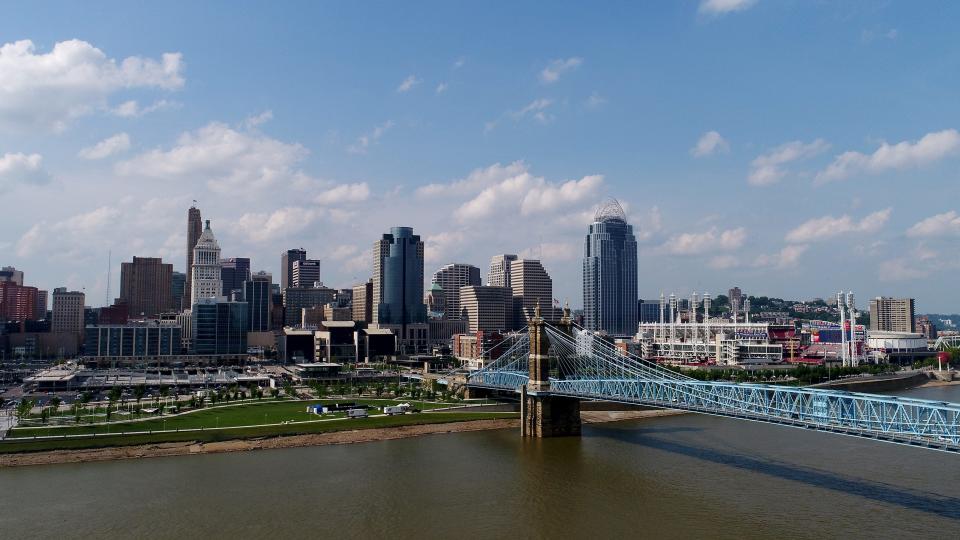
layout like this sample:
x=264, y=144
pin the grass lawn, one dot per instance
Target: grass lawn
x=245, y=414
x=35, y=445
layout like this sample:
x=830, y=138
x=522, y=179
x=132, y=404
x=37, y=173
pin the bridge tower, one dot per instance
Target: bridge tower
x=543, y=414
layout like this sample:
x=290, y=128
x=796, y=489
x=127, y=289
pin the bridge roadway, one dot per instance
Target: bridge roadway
x=584, y=368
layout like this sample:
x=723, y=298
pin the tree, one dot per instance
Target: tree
x=55, y=404
x=275, y=393
x=23, y=409
x=378, y=389
x=138, y=392
x=288, y=389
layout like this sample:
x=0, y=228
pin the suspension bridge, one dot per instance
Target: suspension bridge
x=555, y=366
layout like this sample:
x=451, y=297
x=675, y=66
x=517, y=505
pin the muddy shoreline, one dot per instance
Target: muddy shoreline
x=50, y=457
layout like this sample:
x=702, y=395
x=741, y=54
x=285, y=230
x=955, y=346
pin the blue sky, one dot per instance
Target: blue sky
x=790, y=148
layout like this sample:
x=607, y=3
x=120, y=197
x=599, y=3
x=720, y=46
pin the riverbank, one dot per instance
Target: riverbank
x=937, y=382
x=183, y=448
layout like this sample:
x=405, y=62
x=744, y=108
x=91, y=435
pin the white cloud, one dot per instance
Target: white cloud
x=945, y=224
x=281, y=223
x=475, y=181
x=232, y=161
x=721, y=7
x=931, y=148
x=49, y=90
x=536, y=109
x=459, y=62
x=724, y=262
x=107, y=147
x=260, y=119
x=21, y=168
x=368, y=139
x=901, y=269
x=710, y=143
x=552, y=252
x=441, y=88
x=768, y=168
x=132, y=109
x=828, y=227
x=556, y=68
x=595, y=100
x=530, y=195
x=71, y=238
x=709, y=241
x=787, y=257
x=408, y=84
x=344, y=193
x=444, y=246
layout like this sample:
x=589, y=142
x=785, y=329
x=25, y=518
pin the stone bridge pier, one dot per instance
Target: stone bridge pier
x=541, y=413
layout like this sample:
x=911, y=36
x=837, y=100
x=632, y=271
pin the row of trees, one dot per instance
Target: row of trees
x=802, y=374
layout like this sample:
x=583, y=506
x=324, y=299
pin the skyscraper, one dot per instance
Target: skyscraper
x=892, y=314
x=257, y=295
x=194, y=230
x=363, y=302
x=735, y=297
x=499, y=274
x=531, y=286
x=17, y=303
x=305, y=273
x=610, y=273
x=219, y=327
x=11, y=274
x=286, y=265
x=145, y=286
x=398, y=287
x=234, y=272
x=205, y=281
x=67, y=312
x=178, y=283
x=487, y=309
x=451, y=278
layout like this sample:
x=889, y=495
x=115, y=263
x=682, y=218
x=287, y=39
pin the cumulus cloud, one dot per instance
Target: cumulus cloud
x=710, y=143
x=769, y=169
x=826, y=227
x=368, y=139
x=49, y=90
x=787, y=257
x=530, y=195
x=19, y=168
x=344, y=193
x=552, y=252
x=722, y=7
x=709, y=241
x=107, y=147
x=441, y=88
x=945, y=224
x=931, y=148
x=281, y=223
x=558, y=67
x=74, y=237
x=477, y=180
x=259, y=119
x=232, y=161
x=132, y=109
x=408, y=84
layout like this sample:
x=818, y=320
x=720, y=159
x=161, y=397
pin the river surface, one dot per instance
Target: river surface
x=674, y=477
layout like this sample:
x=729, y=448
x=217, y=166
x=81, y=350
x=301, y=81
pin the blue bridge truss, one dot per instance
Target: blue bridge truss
x=592, y=369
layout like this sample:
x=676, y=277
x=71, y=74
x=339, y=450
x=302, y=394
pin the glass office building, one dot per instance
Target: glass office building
x=219, y=327
x=610, y=273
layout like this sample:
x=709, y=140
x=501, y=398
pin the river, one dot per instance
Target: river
x=671, y=477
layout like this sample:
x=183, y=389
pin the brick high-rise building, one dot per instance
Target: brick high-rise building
x=194, y=230
x=145, y=286
x=892, y=314
x=68, y=314
x=17, y=303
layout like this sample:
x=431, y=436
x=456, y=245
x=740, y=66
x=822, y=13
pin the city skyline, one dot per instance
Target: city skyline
x=797, y=192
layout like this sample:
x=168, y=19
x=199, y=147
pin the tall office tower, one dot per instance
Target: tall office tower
x=286, y=265
x=398, y=287
x=296, y=299
x=305, y=273
x=649, y=311
x=11, y=274
x=487, y=309
x=257, y=295
x=205, y=281
x=194, y=230
x=363, y=302
x=610, y=273
x=499, y=274
x=234, y=272
x=451, y=278
x=892, y=314
x=735, y=296
x=17, y=303
x=145, y=286
x=219, y=327
x=178, y=282
x=68, y=313
x=41, y=305
x=531, y=286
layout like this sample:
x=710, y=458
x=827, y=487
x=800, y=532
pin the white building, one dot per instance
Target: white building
x=723, y=343
x=499, y=274
x=205, y=279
